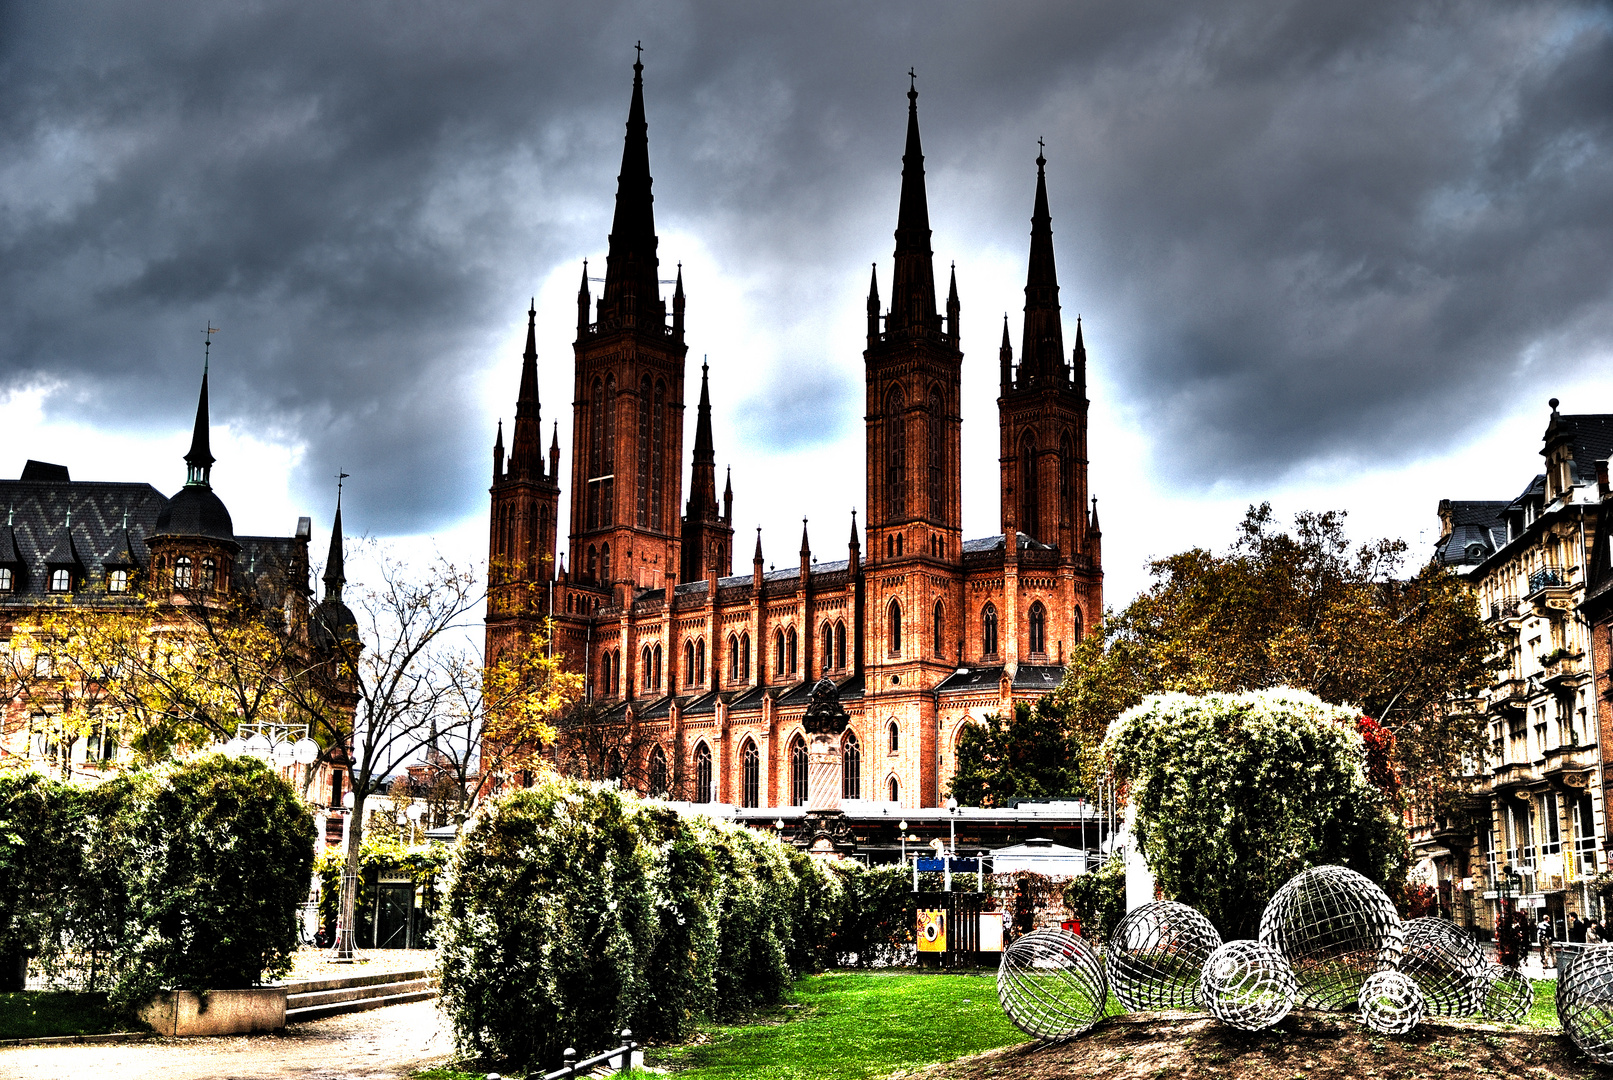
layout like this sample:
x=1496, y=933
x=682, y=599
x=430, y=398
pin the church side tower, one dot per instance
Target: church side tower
x=1042, y=410
x=526, y=501
x=913, y=369
x=708, y=535
x=627, y=430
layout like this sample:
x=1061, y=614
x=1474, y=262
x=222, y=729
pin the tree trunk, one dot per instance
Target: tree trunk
x=345, y=947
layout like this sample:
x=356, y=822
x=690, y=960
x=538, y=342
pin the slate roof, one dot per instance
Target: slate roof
x=109, y=526
x=979, y=679
x=1593, y=442
x=110, y=522
x=994, y=543
x=1478, y=530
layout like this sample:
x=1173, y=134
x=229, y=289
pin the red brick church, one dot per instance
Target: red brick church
x=923, y=630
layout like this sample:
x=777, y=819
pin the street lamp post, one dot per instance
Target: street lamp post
x=903, y=827
x=952, y=847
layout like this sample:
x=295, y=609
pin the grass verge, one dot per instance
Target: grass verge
x=849, y=1026
x=39, y=1014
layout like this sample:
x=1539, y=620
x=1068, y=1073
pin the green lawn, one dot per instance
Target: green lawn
x=37, y=1014
x=853, y=1025
x=1543, y=1013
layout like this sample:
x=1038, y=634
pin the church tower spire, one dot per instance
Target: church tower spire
x=526, y=449
x=632, y=291
x=708, y=540
x=627, y=451
x=199, y=458
x=1041, y=349
x=913, y=286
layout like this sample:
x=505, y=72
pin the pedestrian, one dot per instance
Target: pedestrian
x=1593, y=933
x=1543, y=935
x=1576, y=929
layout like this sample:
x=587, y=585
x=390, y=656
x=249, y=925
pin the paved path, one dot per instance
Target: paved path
x=381, y=1043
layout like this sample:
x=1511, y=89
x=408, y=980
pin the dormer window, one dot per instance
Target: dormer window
x=61, y=581
x=209, y=574
x=117, y=581
x=1475, y=552
x=182, y=572
x=7, y=579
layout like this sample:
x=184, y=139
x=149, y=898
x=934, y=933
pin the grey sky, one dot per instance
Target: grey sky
x=1298, y=233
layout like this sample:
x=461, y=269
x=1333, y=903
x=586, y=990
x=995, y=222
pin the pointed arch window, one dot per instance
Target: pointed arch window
x=828, y=651
x=616, y=671
x=733, y=658
x=1038, y=628
x=893, y=734
x=851, y=772
x=893, y=617
x=750, y=775
x=798, y=771
x=596, y=450
x=1028, y=523
x=1075, y=625
x=790, y=649
x=778, y=652
x=1066, y=478
x=658, y=776
x=593, y=564
x=704, y=789
x=940, y=629
x=604, y=564
x=688, y=663
x=700, y=662
x=644, y=394
x=607, y=483
x=840, y=644
x=181, y=576
x=894, y=790
x=895, y=455
x=937, y=433
x=655, y=658
x=988, y=630
x=646, y=678
x=657, y=453
x=744, y=656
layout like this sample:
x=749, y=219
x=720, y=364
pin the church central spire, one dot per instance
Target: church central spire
x=632, y=292
x=199, y=458
x=1041, y=351
x=913, y=291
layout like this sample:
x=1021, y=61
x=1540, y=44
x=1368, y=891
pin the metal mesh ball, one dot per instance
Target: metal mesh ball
x=1052, y=984
x=1335, y=928
x=1447, y=965
x=1504, y=994
x=1157, y=954
x=1585, y=1002
x=1247, y=985
x=1390, y=1003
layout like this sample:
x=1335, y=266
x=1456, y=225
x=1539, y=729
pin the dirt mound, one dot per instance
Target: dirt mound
x=1307, y=1046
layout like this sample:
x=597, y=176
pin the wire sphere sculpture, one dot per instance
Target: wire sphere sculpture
x=1052, y=984
x=1157, y=954
x=1447, y=965
x=1585, y=1003
x=1391, y=1003
x=1334, y=927
x=1247, y=985
x=1505, y=996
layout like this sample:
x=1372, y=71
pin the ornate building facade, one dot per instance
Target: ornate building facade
x=923, y=631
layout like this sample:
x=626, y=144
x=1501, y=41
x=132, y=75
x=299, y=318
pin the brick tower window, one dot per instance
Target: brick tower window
x=894, y=617
x=851, y=773
x=750, y=775
x=658, y=777
x=988, y=630
x=798, y=771
x=702, y=774
x=895, y=455
x=1038, y=628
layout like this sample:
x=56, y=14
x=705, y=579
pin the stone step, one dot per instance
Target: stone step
x=336, y=1008
x=334, y=995
x=356, y=979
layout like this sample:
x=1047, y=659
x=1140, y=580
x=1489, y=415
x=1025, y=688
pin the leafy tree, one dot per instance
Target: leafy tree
x=41, y=855
x=1236, y=793
x=1301, y=609
x=1031, y=756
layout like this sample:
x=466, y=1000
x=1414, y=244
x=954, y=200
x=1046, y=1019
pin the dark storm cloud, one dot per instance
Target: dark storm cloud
x=1298, y=232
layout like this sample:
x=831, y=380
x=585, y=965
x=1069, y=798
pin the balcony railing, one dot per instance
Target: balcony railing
x=1505, y=609
x=1547, y=577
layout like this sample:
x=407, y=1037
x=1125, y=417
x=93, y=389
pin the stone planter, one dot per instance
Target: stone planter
x=228, y=1012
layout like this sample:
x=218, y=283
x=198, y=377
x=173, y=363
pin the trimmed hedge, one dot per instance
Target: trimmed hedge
x=186, y=876
x=574, y=910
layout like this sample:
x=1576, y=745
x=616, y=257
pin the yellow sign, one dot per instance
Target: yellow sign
x=933, y=931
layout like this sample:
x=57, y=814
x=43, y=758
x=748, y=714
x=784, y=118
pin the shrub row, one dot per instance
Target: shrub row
x=183, y=876
x=575, y=910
